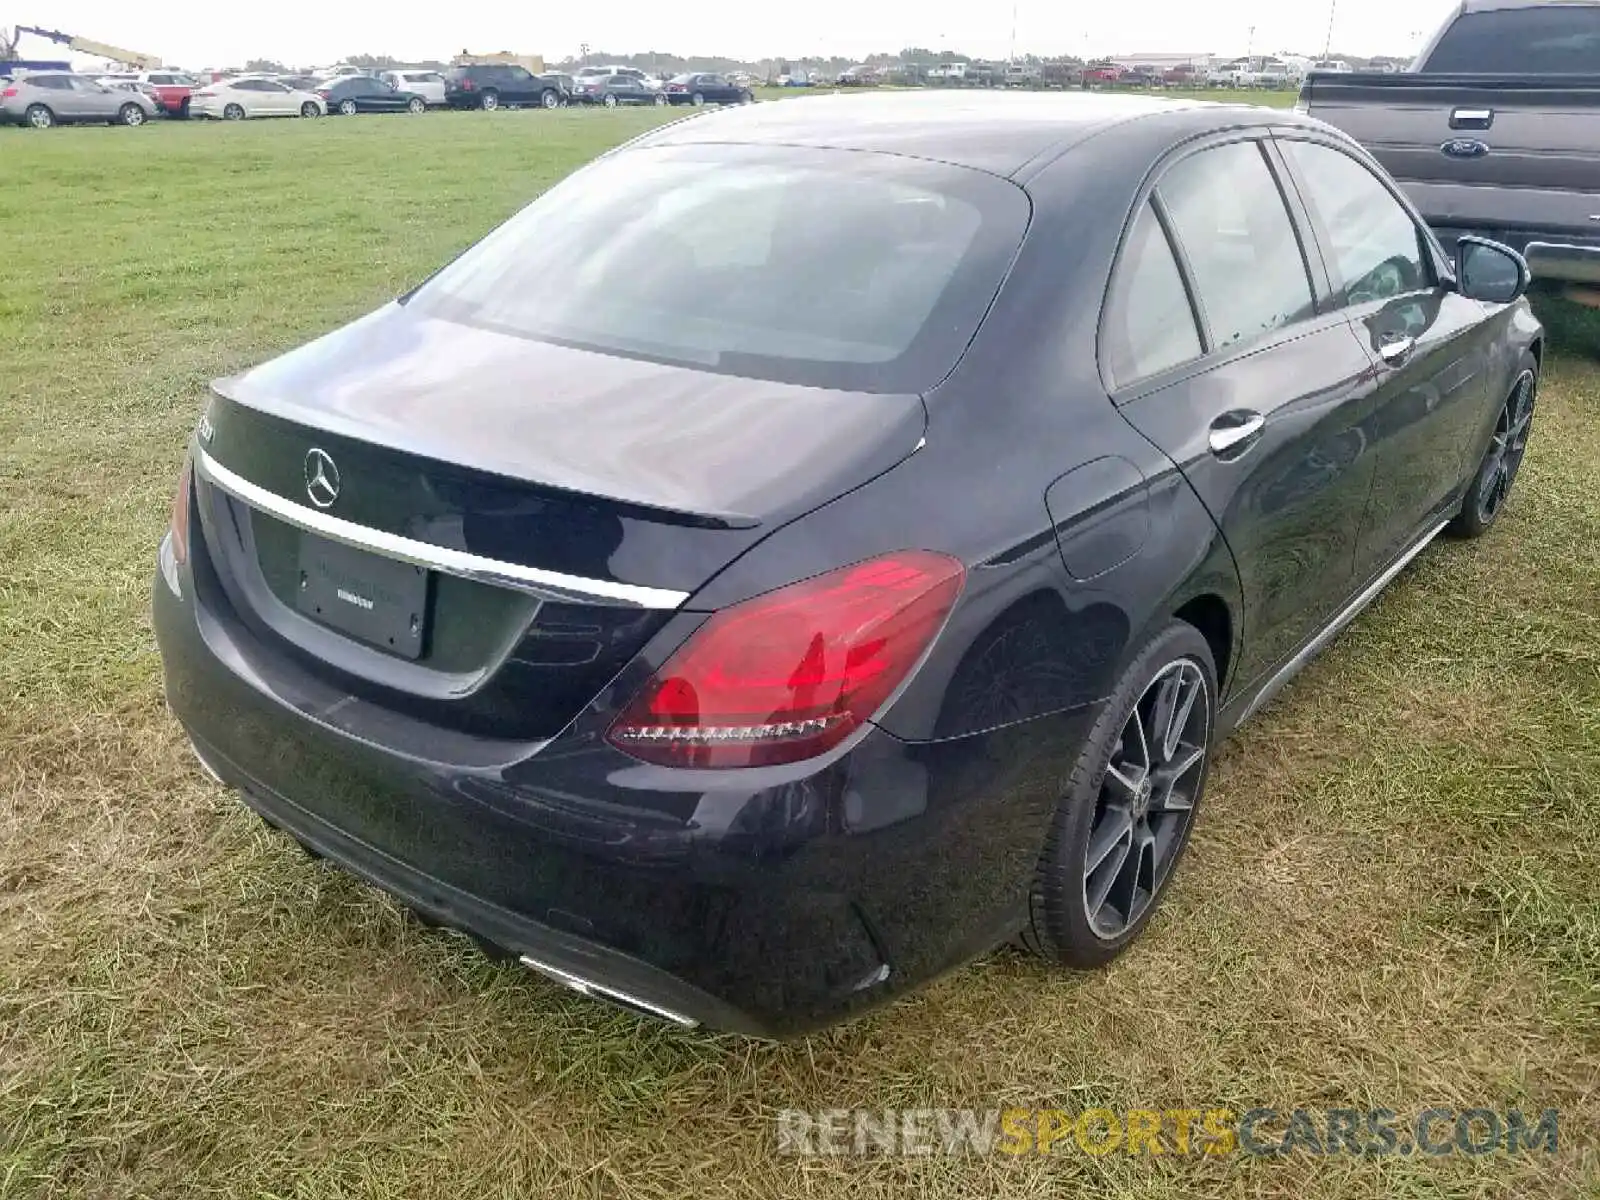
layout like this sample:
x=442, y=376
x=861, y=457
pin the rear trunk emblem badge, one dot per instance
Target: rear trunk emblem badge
x=322, y=478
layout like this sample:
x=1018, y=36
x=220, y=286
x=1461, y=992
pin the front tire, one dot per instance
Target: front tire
x=660, y=102
x=698, y=100
x=131, y=115
x=1491, y=483
x=549, y=98
x=1122, y=826
x=39, y=117
x=233, y=112
x=309, y=109
x=610, y=101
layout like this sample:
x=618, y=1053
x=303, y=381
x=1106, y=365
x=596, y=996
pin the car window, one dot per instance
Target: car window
x=1552, y=39
x=163, y=80
x=818, y=267
x=1373, y=246
x=268, y=85
x=1149, y=323
x=56, y=83
x=1243, y=255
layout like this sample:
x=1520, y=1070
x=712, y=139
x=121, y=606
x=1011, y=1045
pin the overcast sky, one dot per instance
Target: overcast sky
x=220, y=33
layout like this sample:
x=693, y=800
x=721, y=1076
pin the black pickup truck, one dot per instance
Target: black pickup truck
x=1495, y=130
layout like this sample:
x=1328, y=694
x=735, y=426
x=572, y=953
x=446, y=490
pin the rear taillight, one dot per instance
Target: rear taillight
x=792, y=673
x=324, y=93
x=8, y=93
x=468, y=86
x=175, y=550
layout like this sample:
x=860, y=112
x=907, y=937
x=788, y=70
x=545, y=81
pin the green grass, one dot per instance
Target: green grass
x=1391, y=898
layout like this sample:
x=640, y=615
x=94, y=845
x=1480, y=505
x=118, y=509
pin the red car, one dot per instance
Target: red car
x=172, y=90
x=1183, y=75
x=1102, y=73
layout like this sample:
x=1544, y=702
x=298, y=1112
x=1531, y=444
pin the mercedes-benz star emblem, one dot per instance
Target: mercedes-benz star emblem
x=322, y=478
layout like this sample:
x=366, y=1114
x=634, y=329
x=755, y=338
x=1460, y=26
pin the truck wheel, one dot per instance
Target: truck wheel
x=550, y=99
x=490, y=101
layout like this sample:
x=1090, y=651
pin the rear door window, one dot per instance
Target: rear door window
x=1551, y=39
x=1150, y=325
x=1243, y=254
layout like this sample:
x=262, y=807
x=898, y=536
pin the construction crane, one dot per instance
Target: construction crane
x=127, y=58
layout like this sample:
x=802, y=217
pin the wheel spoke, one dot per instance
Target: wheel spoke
x=1115, y=827
x=1180, y=717
x=1136, y=723
x=1097, y=891
x=1163, y=712
x=1167, y=798
x=1129, y=785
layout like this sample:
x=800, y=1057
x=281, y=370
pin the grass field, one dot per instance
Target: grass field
x=1390, y=901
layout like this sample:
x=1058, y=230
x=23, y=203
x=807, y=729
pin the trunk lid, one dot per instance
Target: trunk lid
x=603, y=491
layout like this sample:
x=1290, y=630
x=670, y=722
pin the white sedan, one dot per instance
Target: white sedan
x=254, y=96
x=427, y=84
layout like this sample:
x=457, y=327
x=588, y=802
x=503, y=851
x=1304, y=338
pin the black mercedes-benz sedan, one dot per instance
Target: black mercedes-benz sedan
x=856, y=563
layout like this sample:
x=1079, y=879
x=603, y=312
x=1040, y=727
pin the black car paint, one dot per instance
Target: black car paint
x=776, y=899
x=711, y=88
x=464, y=87
x=368, y=94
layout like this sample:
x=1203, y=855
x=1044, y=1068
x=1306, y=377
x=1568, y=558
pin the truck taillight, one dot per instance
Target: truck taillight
x=790, y=674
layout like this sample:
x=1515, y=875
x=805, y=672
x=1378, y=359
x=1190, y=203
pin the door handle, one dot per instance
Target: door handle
x=1471, y=118
x=1233, y=429
x=1395, y=350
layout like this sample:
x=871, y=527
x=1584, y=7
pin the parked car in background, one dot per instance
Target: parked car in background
x=1185, y=75
x=705, y=88
x=1336, y=65
x=1102, y=74
x=119, y=84
x=254, y=96
x=427, y=84
x=496, y=85
x=367, y=94
x=592, y=72
x=770, y=722
x=612, y=90
x=172, y=90
x=1142, y=77
x=860, y=75
x=42, y=99
x=1275, y=75
x=1495, y=130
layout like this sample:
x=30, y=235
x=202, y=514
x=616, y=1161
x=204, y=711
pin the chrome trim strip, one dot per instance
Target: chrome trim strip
x=1352, y=610
x=601, y=991
x=548, y=584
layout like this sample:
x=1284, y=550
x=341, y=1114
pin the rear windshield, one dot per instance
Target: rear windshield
x=1557, y=39
x=820, y=267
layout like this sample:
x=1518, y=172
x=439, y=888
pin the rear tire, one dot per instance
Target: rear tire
x=1120, y=830
x=660, y=101
x=1502, y=458
x=348, y=107
x=131, y=115
x=698, y=100
x=610, y=101
x=549, y=98
x=233, y=112
x=416, y=104
x=39, y=116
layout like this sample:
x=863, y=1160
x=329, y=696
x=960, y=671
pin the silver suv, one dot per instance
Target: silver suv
x=48, y=98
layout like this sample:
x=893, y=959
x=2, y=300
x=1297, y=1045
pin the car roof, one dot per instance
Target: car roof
x=996, y=132
x=1473, y=6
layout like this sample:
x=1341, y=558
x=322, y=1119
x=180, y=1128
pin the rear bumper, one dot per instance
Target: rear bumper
x=763, y=902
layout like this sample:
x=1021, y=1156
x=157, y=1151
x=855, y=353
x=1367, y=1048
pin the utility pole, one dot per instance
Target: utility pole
x=1011, y=60
x=1250, y=44
x=1327, y=46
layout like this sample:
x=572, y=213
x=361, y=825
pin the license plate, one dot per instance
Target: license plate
x=374, y=599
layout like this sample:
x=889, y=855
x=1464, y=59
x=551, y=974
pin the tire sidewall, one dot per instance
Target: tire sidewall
x=1059, y=921
x=36, y=110
x=1468, y=523
x=131, y=115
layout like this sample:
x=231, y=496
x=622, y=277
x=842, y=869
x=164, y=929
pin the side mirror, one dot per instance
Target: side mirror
x=1486, y=270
